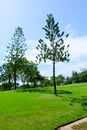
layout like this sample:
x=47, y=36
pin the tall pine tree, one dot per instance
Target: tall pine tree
x=16, y=51
x=55, y=50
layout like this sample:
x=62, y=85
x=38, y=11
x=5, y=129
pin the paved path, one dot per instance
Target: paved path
x=69, y=126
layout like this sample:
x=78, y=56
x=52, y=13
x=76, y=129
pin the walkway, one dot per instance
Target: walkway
x=69, y=126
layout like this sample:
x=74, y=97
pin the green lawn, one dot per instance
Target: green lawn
x=40, y=109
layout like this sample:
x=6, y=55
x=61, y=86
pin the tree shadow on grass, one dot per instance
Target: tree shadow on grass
x=64, y=92
x=82, y=101
x=34, y=90
x=44, y=90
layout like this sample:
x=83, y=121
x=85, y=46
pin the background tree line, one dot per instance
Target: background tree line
x=76, y=77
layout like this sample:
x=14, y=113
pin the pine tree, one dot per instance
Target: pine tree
x=16, y=51
x=55, y=50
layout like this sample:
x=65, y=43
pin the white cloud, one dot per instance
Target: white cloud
x=78, y=47
x=70, y=30
x=67, y=68
x=31, y=50
x=78, y=53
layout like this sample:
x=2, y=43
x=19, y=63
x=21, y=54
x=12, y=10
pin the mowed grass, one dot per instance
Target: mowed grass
x=40, y=109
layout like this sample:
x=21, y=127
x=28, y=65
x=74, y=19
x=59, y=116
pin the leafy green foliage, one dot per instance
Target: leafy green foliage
x=83, y=76
x=75, y=78
x=60, y=79
x=44, y=81
x=68, y=80
x=29, y=73
x=78, y=77
x=5, y=86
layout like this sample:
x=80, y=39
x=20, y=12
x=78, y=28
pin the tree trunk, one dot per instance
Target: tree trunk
x=15, y=79
x=34, y=83
x=54, y=81
x=9, y=81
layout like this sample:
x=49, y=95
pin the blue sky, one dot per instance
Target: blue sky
x=31, y=16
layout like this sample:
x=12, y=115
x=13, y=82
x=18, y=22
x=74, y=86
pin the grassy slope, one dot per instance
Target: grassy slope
x=39, y=109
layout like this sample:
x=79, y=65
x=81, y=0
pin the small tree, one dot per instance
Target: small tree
x=6, y=74
x=75, y=78
x=54, y=50
x=29, y=72
x=16, y=51
x=60, y=79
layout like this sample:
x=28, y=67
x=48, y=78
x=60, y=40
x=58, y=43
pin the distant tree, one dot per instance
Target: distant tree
x=35, y=75
x=29, y=73
x=51, y=80
x=16, y=51
x=3, y=76
x=77, y=77
x=74, y=77
x=54, y=50
x=45, y=81
x=6, y=74
x=60, y=79
x=68, y=80
x=82, y=76
x=25, y=71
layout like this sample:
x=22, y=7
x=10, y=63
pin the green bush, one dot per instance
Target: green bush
x=24, y=86
x=5, y=86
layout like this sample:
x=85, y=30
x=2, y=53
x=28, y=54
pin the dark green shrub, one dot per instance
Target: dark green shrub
x=24, y=86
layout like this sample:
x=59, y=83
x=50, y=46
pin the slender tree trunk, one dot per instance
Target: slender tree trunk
x=54, y=81
x=9, y=81
x=15, y=79
x=34, y=83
